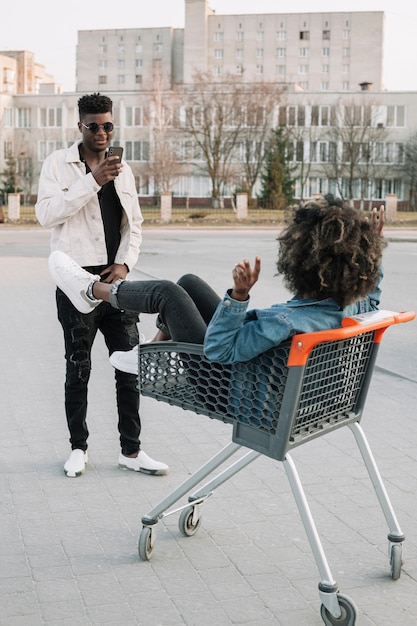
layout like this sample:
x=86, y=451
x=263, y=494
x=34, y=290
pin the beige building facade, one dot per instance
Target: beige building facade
x=324, y=65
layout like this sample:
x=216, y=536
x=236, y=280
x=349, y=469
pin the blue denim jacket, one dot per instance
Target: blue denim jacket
x=236, y=335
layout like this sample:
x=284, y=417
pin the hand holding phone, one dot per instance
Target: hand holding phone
x=116, y=151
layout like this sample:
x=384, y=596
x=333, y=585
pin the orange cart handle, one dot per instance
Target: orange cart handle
x=302, y=344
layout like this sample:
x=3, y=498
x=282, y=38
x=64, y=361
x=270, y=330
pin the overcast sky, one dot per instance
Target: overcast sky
x=49, y=28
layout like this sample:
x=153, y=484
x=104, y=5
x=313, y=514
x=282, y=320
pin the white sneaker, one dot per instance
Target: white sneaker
x=143, y=463
x=125, y=361
x=73, y=280
x=75, y=464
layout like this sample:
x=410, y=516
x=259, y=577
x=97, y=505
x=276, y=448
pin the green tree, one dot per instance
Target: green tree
x=9, y=177
x=277, y=181
x=410, y=170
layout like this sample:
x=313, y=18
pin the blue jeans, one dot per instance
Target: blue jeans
x=184, y=308
x=120, y=332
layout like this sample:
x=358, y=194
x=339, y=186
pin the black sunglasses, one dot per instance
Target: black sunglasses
x=94, y=127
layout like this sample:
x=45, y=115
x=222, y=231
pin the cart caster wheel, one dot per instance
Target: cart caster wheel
x=348, y=616
x=189, y=521
x=146, y=543
x=396, y=560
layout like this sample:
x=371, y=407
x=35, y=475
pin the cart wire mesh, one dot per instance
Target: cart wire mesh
x=265, y=394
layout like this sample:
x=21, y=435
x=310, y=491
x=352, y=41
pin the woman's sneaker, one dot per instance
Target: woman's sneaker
x=73, y=280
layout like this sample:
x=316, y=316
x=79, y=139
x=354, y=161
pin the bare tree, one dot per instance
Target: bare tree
x=257, y=113
x=356, y=136
x=410, y=170
x=212, y=118
x=164, y=164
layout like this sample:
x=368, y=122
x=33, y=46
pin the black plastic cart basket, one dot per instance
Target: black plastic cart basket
x=283, y=398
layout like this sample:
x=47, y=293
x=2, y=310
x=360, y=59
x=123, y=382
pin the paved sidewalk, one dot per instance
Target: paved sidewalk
x=68, y=547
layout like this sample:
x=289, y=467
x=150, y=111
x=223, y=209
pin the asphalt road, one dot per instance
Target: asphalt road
x=211, y=253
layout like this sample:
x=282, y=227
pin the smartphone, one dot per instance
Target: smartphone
x=116, y=151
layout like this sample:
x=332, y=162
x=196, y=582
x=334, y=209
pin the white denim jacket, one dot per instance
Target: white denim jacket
x=68, y=204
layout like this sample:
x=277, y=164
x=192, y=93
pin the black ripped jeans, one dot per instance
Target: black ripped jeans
x=120, y=332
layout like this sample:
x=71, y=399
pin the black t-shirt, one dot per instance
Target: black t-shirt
x=111, y=214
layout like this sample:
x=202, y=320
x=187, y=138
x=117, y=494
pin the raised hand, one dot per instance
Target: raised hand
x=244, y=277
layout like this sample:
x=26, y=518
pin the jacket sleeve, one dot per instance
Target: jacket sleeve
x=60, y=198
x=236, y=335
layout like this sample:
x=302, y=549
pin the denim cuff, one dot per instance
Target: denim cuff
x=113, y=293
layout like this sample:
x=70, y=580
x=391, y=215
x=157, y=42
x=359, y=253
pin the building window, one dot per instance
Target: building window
x=121, y=79
x=139, y=63
x=7, y=149
x=305, y=35
x=345, y=85
x=218, y=53
x=304, y=85
x=304, y=52
x=134, y=116
x=399, y=154
x=326, y=34
x=325, y=52
x=346, y=52
x=345, y=69
x=102, y=64
x=218, y=70
x=219, y=36
x=396, y=115
x=259, y=69
x=260, y=35
x=45, y=148
x=137, y=150
x=8, y=118
x=281, y=35
x=239, y=53
x=121, y=64
x=281, y=52
x=239, y=69
x=320, y=115
x=102, y=48
x=260, y=53
x=51, y=117
x=281, y=70
x=325, y=69
x=138, y=79
x=239, y=36
x=324, y=85
x=291, y=116
x=121, y=48
x=23, y=118
x=346, y=34
x=303, y=69
x=157, y=48
x=139, y=48
x=295, y=151
x=102, y=80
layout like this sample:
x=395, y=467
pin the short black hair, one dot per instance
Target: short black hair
x=94, y=103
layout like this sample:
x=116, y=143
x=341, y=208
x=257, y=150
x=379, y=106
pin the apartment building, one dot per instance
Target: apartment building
x=317, y=51
x=323, y=64
x=20, y=73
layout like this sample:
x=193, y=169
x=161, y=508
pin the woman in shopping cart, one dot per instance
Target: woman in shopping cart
x=329, y=257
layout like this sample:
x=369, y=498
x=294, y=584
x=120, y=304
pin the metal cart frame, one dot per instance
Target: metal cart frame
x=298, y=391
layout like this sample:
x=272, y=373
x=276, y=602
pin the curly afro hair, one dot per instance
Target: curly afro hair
x=330, y=251
x=94, y=103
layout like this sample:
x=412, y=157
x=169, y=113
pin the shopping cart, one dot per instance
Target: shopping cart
x=296, y=392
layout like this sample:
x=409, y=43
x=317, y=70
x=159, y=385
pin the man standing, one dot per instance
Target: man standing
x=90, y=202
